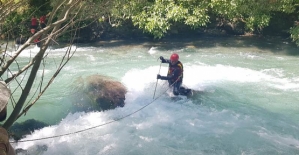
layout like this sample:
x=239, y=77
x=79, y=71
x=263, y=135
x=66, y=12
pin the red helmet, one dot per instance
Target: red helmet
x=174, y=57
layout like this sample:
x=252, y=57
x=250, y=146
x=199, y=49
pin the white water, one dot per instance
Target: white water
x=247, y=101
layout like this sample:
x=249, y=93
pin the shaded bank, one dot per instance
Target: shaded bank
x=274, y=44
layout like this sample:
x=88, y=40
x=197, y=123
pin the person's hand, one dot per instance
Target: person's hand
x=162, y=59
x=158, y=76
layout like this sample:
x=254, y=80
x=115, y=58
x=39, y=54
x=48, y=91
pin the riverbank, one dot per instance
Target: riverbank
x=277, y=44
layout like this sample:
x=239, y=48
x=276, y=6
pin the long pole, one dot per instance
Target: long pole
x=157, y=82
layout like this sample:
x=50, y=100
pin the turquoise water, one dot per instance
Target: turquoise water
x=246, y=99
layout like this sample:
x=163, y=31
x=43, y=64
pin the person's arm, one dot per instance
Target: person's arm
x=169, y=77
x=162, y=77
x=164, y=60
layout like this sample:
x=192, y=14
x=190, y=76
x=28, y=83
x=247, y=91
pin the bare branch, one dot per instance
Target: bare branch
x=63, y=63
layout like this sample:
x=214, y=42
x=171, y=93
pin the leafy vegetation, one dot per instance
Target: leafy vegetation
x=157, y=17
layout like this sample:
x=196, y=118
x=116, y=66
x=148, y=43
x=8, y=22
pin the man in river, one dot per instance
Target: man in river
x=174, y=75
x=5, y=147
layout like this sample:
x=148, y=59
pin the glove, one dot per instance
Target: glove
x=162, y=59
x=158, y=76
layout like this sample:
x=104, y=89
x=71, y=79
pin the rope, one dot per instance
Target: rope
x=157, y=81
x=79, y=131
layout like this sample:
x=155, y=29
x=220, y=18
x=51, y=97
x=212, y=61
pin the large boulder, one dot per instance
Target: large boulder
x=97, y=92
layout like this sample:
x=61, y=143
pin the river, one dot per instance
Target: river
x=246, y=99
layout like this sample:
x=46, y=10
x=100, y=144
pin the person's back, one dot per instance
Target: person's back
x=33, y=21
x=33, y=26
x=175, y=71
x=42, y=21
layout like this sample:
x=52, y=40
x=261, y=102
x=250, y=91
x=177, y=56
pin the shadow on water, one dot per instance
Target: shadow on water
x=277, y=45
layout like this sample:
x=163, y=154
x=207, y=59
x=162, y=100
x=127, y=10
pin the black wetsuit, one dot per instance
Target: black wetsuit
x=174, y=75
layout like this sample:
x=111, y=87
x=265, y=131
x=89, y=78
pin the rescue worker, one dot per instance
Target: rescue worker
x=174, y=75
x=42, y=21
x=33, y=27
x=5, y=146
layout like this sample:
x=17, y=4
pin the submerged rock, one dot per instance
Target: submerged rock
x=18, y=130
x=97, y=92
x=36, y=149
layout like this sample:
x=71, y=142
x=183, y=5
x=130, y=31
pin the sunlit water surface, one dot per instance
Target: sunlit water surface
x=246, y=99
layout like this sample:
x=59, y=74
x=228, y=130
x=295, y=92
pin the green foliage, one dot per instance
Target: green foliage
x=224, y=8
x=254, y=13
x=10, y=26
x=259, y=22
x=157, y=17
x=39, y=7
x=153, y=19
x=295, y=34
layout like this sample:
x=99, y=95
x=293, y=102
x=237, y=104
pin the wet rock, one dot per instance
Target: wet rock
x=18, y=130
x=37, y=149
x=98, y=93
